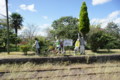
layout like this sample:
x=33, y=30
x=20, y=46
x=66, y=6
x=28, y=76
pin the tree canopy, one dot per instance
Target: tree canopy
x=16, y=21
x=65, y=27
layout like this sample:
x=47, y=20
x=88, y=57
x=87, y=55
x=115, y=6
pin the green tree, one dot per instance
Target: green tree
x=16, y=21
x=65, y=27
x=84, y=20
x=113, y=29
x=102, y=40
x=3, y=39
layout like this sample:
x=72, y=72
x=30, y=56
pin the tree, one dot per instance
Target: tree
x=113, y=29
x=3, y=39
x=16, y=21
x=102, y=40
x=30, y=32
x=84, y=20
x=65, y=27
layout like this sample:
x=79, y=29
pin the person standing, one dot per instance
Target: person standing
x=57, y=43
x=82, y=46
x=37, y=46
x=62, y=46
x=77, y=45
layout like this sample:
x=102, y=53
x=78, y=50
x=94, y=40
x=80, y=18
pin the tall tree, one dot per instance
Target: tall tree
x=84, y=20
x=16, y=21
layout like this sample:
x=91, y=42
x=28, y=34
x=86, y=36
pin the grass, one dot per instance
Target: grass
x=31, y=66
x=71, y=53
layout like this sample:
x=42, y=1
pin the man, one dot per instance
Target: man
x=82, y=46
x=37, y=46
x=62, y=46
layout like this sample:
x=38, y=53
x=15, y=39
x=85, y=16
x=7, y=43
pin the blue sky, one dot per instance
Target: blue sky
x=43, y=12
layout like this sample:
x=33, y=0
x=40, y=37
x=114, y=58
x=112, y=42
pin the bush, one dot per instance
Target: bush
x=50, y=48
x=102, y=40
x=69, y=47
x=25, y=48
x=95, y=41
x=44, y=44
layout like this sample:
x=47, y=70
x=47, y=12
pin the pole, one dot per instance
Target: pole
x=7, y=27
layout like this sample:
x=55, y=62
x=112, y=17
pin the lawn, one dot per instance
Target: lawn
x=32, y=54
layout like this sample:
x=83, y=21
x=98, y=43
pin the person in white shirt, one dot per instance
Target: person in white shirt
x=82, y=45
x=37, y=46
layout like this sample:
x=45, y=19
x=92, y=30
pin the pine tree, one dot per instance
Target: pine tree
x=84, y=20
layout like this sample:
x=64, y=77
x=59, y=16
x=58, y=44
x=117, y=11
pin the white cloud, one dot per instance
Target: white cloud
x=2, y=8
x=114, y=16
x=45, y=17
x=42, y=33
x=44, y=26
x=97, y=2
x=43, y=29
x=28, y=7
x=117, y=20
x=22, y=30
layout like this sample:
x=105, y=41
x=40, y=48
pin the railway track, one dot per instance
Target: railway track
x=61, y=73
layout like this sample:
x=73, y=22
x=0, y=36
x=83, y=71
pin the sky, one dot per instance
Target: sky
x=43, y=12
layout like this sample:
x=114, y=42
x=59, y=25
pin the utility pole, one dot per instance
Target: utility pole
x=7, y=27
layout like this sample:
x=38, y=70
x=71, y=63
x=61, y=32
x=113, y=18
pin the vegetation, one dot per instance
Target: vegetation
x=65, y=27
x=3, y=39
x=16, y=21
x=99, y=38
x=113, y=29
x=100, y=41
x=84, y=20
x=25, y=48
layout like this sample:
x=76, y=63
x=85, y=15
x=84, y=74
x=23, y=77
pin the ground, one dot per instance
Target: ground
x=60, y=71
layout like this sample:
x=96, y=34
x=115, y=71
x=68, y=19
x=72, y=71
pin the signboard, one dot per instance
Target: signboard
x=68, y=42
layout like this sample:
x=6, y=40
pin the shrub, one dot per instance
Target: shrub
x=25, y=48
x=100, y=39
x=50, y=48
